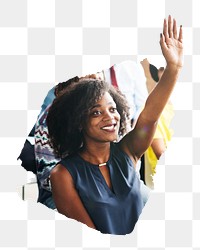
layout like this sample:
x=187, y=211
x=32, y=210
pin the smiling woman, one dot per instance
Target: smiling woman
x=86, y=106
x=96, y=182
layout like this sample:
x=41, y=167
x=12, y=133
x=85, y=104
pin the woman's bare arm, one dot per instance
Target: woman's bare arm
x=139, y=139
x=158, y=146
x=66, y=197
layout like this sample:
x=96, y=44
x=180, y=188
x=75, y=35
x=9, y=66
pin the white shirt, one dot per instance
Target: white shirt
x=132, y=83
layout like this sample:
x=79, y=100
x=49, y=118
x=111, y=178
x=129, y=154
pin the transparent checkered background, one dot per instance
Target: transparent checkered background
x=43, y=42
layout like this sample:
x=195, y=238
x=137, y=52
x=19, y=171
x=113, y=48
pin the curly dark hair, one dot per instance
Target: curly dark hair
x=62, y=85
x=71, y=108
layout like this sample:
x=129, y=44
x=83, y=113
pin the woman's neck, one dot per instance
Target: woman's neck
x=96, y=154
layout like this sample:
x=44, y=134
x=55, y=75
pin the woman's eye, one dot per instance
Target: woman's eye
x=97, y=112
x=113, y=110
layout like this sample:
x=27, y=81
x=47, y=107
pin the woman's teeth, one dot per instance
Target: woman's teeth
x=111, y=127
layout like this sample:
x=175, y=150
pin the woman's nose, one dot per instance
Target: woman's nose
x=108, y=116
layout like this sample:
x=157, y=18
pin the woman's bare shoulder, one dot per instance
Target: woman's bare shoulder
x=60, y=171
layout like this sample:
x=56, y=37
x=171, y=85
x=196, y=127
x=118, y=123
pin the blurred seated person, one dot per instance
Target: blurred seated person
x=163, y=133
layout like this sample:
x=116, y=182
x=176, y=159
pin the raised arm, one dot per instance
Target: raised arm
x=139, y=139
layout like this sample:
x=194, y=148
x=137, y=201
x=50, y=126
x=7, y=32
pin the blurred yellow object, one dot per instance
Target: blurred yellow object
x=162, y=132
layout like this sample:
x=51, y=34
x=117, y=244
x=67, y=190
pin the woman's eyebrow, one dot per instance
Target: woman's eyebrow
x=96, y=106
x=99, y=105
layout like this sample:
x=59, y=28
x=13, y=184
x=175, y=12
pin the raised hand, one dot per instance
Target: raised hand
x=136, y=142
x=171, y=43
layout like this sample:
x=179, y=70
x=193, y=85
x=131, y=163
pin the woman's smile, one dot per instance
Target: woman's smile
x=109, y=127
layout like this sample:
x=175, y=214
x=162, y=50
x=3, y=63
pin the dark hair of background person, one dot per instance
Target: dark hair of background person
x=70, y=109
x=62, y=85
x=154, y=72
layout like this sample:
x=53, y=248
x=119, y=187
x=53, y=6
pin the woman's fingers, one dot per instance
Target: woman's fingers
x=174, y=29
x=162, y=41
x=180, y=38
x=170, y=27
x=165, y=29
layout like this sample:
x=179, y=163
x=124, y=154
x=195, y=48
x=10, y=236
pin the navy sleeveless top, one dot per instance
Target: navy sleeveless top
x=112, y=211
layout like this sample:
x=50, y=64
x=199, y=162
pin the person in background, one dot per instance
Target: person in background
x=163, y=132
x=129, y=78
x=96, y=182
x=45, y=159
